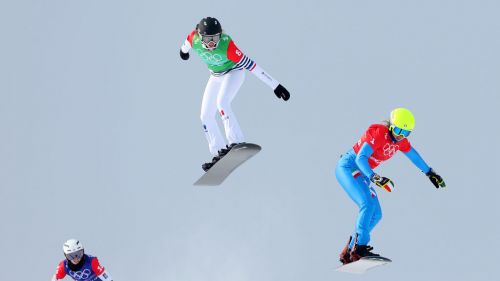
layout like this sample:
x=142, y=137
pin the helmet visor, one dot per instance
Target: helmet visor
x=210, y=41
x=400, y=132
x=75, y=255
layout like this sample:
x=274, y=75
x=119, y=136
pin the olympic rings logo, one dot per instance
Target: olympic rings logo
x=211, y=58
x=390, y=149
x=80, y=275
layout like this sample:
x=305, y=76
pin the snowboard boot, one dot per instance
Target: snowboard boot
x=221, y=153
x=360, y=251
x=233, y=144
x=345, y=255
x=225, y=150
x=206, y=166
x=209, y=165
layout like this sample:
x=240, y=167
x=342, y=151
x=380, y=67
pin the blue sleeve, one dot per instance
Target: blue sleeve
x=362, y=160
x=417, y=160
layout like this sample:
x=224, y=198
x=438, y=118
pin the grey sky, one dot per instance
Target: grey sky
x=100, y=138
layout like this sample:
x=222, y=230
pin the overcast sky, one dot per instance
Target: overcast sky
x=100, y=138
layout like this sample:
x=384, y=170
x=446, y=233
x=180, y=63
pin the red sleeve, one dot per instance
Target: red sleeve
x=96, y=267
x=60, y=273
x=191, y=36
x=233, y=53
x=404, y=145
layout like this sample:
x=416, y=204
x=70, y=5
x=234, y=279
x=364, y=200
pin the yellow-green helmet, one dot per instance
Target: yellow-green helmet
x=403, y=119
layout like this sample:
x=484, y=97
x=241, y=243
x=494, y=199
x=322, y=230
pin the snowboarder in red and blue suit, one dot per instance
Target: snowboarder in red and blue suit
x=355, y=174
x=80, y=266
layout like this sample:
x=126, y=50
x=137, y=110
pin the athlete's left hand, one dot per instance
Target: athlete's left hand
x=281, y=92
x=436, y=179
x=382, y=182
x=184, y=56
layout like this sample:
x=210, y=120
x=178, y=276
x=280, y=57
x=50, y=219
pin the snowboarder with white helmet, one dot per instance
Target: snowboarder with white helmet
x=355, y=174
x=78, y=265
x=225, y=63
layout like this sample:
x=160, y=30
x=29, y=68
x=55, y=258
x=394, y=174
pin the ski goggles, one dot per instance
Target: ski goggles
x=400, y=132
x=75, y=255
x=210, y=41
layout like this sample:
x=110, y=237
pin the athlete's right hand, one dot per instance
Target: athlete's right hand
x=184, y=56
x=281, y=92
x=382, y=182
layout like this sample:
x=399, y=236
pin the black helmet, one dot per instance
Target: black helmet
x=209, y=30
x=209, y=26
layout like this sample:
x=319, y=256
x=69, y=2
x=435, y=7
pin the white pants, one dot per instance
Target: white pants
x=219, y=94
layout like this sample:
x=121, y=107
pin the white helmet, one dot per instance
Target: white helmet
x=73, y=249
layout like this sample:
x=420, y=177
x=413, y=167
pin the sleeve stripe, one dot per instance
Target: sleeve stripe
x=245, y=62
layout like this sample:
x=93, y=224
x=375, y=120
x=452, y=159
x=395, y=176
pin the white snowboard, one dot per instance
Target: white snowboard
x=224, y=167
x=364, y=264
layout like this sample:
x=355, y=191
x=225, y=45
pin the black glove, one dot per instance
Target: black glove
x=282, y=93
x=184, y=56
x=436, y=179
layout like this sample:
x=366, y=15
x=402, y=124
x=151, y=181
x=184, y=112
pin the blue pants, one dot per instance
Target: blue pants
x=358, y=188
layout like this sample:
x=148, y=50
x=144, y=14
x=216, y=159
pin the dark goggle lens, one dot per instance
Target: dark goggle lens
x=401, y=132
x=74, y=256
x=210, y=38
